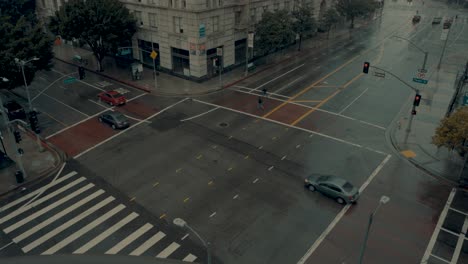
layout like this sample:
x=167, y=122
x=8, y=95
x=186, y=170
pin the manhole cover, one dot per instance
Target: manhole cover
x=223, y=124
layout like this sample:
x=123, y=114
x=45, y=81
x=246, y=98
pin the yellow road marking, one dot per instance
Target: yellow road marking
x=230, y=169
x=353, y=80
x=327, y=86
x=133, y=199
x=178, y=170
x=315, y=108
x=162, y=216
x=307, y=101
x=186, y=199
x=155, y=184
x=408, y=153
x=199, y=157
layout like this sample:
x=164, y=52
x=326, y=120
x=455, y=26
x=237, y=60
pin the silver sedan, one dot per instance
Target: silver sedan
x=333, y=186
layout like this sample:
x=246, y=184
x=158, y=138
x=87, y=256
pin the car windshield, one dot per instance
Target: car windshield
x=13, y=106
x=119, y=118
x=116, y=95
x=347, y=187
x=323, y=178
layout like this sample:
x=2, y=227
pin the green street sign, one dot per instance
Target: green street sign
x=465, y=99
x=69, y=80
x=420, y=80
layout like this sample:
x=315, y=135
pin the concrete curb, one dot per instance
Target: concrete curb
x=60, y=158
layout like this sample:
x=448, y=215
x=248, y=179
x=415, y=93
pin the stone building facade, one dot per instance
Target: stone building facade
x=186, y=34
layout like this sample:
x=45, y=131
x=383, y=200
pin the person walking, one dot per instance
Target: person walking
x=260, y=103
x=264, y=90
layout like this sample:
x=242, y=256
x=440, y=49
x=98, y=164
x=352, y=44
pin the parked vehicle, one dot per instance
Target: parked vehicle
x=447, y=24
x=115, y=119
x=333, y=186
x=14, y=110
x=416, y=18
x=436, y=20
x=112, y=98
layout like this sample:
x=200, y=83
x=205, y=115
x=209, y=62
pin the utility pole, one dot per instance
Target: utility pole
x=443, y=50
x=247, y=39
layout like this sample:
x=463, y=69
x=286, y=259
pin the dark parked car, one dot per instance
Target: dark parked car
x=115, y=119
x=416, y=18
x=447, y=24
x=436, y=20
x=333, y=186
x=14, y=110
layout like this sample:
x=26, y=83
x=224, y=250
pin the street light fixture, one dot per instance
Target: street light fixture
x=21, y=63
x=383, y=200
x=181, y=223
x=416, y=46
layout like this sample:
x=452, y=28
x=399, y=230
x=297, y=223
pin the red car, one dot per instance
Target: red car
x=112, y=98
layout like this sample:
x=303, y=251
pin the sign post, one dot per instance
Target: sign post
x=154, y=55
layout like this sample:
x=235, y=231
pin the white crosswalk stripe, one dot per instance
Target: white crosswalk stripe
x=72, y=215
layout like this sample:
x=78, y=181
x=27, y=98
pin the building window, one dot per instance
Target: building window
x=286, y=5
x=253, y=15
x=265, y=8
x=208, y=3
x=215, y=23
x=276, y=6
x=152, y=20
x=138, y=17
x=169, y=3
x=184, y=3
x=237, y=17
x=178, y=25
x=220, y=2
x=152, y=2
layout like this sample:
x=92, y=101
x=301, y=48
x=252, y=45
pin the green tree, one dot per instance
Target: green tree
x=104, y=25
x=303, y=21
x=452, y=132
x=329, y=19
x=351, y=9
x=22, y=37
x=273, y=32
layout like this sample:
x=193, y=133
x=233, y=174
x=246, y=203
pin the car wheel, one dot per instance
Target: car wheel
x=113, y=127
x=100, y=120
x=340, y=200
x=311, y=188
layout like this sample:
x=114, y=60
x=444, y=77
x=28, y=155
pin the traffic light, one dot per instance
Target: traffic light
x=81, y=72
x=365, y=69
x=34, y=122
x=417, y=100
x=17, y=135
x=413, y=112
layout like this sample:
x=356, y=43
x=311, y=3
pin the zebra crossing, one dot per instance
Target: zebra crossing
x=72, y=215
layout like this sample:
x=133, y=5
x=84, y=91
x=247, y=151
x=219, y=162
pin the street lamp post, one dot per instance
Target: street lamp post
x=7, y=125
x=181, y=223
x=383, y=200
x=423, y=51
x=21, y=63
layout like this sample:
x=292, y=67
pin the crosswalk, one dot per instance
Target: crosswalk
x=72, y=215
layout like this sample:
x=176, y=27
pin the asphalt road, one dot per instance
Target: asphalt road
x=235, y=172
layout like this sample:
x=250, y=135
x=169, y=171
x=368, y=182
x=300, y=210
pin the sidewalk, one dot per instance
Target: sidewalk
x=412, y=139
x=169, y=85
x=36, y=164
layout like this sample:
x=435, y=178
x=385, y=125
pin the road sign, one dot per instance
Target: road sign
x=420, y=80
x=201, y=31
x=420, y=75
x=69, y=80
x=219, y=51
x=153, y=54
x=422, y=70
x=379, y=74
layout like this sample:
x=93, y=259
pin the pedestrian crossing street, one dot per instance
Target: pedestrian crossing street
x=72, y=215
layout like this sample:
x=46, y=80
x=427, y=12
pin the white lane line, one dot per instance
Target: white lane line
x=47, y=208
x=270, y=168
x=340, y=214
x=278, y=77
x=43, y=199
x=60, y=102
x=289, y=84
x=48, y=86
x=138, y=120
x=211, y=110
x=459, y=34
x=29, y=195
x=319, y=109
x=57, y=216
x=86, y=119
x=129, y=239
x=441, y=220
x=374, y=125
x=189, y=258
x=136, y=97
x=283, y=157
x=92, y=101
x=128, y=129
x=260, y=93
x=168, y=250
x=260, y=147
x=93, y=86
x=352, y=102
x=106, y=233
x=243, y=87
x=148, y=243
x=213, y=214
x=184, y=237
x=66, y=225
x=298, y=146
x=255, y=181
x=84, y=230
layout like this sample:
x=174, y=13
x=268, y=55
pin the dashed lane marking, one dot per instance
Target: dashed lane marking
x=271, y=168
x=235, y=196
x=283, y=157
x=162, y=216
x=155, y=184
x=199, y=157
x=133, y=199
x=186, y=199
x=213, y=214
x=256, y=180
x=260, y=147
x=184, y=237
x=178, y=170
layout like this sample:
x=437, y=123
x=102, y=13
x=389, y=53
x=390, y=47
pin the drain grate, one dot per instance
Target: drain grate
x=223, y=124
